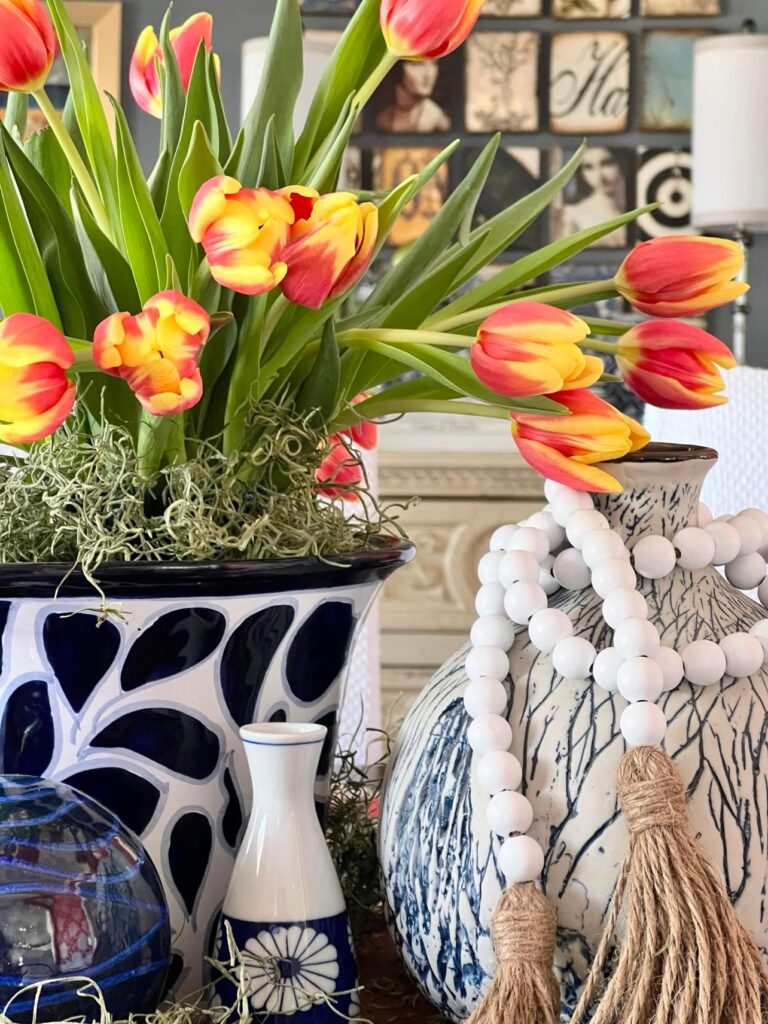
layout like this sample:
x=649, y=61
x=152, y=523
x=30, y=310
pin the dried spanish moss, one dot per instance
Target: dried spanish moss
x=82, y=500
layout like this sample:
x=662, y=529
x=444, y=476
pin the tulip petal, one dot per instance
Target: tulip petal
x=514, y=378
x=591, y=374
x=26, y=338
x=554, y=466
x=697, y=305
x=29, y=45
x=143, y=77
x=417, y=30
x=359, y=263
x=247, y=271
x=338, y=471
x=536, y=322
x=36, y=427
x=186, y=40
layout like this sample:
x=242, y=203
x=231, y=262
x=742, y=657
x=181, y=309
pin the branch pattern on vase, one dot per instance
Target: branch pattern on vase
x=439, y=858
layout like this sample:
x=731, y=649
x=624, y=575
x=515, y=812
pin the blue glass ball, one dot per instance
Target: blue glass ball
x=79, y=897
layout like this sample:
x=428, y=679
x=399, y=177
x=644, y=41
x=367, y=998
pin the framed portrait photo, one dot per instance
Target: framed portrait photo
x=576, y=9
x=666, y=62
x=416, y=97
x=391, y=166
x=664, y=177
x=602, y=188
x=589, y=83
x=680, y=8
x=512, y=8
x=501, y=80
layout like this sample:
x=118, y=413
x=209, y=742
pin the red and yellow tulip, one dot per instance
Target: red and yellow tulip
x=28, y=45
x=339, y=472
x=185, y=40
x=426, y=29
x=681, y=276
x=566, y=448
x=329, y=248
x=528, y=348
x=36, y=395
x=244, y=232
x=364, y=434
x=156, y=352
x=674, y=365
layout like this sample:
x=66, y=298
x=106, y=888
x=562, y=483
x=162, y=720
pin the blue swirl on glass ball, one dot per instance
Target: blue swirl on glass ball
x=79, y=897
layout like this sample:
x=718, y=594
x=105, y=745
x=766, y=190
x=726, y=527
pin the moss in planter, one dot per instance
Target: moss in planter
x=81, y=499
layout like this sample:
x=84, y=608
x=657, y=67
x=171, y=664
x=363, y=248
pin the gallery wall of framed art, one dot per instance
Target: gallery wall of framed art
x=547, y=74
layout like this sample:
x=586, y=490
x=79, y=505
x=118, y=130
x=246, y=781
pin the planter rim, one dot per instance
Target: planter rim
x=210, y=579
x=665, y=452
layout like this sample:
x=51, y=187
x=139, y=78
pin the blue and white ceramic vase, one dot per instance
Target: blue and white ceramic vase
x=79, y=897
x=284, y=905
x=439, y=858
x=142, y=710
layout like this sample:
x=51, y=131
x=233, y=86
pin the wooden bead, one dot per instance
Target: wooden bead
x=509, y=812
x=704, y=663
x=521, y=859
x=489, y=732
x=570, y=570
x=743, y=654
x=654, y=557
x=643, y=724
x=499, y=770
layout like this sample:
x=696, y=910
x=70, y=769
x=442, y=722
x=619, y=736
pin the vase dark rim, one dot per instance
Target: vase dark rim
x=208, y=579
x=664, y=452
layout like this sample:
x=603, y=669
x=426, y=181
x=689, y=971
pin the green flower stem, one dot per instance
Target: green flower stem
x=76, y=162
x=595, y=345
x=374, y=80
x=578, y=294
x=378, y=407
x=393, y=337
x=246, y=375
x=280, y=306
x=614, y=328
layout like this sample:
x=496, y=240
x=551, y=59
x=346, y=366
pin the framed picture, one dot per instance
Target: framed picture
x=664, y=177
x=328, y=6
x=351, y=177
x=589, y=88
x=502, y=76
x=680, y=8
x=667, y=79
x=601, y=189
x=516, y=171
x=512, y=8
x=573, y=9
x=99, y=24
x=391, y=166
x=416, y=96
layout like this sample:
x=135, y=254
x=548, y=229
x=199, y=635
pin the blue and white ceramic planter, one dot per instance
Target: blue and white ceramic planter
x=438, y=855
x=284, y=908
x=141, y=710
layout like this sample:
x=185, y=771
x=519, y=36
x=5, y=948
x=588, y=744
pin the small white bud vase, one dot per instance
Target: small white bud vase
x=284, y=904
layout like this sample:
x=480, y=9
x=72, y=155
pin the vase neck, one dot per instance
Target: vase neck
x=283, y=765
x=659, y=497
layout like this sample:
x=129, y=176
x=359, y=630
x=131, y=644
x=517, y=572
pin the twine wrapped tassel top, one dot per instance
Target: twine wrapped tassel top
x=685, y=958
x=524, y=989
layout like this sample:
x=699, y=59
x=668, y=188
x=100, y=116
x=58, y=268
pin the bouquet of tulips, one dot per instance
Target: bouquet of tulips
x=176, y=307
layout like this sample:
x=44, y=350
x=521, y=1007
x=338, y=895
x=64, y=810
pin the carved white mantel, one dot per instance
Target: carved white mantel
x=469, y=480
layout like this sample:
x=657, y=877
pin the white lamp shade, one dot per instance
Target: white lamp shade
x=730, y=132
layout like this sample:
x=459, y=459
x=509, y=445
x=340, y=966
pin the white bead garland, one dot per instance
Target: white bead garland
x=527, y=563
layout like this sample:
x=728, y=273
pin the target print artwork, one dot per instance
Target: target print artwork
x=664, y=176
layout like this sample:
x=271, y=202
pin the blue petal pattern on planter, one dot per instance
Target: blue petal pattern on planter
x=174, y=643
x=26, y=732
x=166, y=736
x=247, y=657
x=319, y=650
x=232, y=822
x=80, y=649
x=131, y=797
x=188, y=855
x=5, y=608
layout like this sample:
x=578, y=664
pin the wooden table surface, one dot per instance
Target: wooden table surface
x=388, y=995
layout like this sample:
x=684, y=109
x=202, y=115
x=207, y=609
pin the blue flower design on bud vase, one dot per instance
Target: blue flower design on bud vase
x=284, y=907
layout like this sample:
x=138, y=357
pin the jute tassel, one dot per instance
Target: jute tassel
x=685, y=957
x=524, y=989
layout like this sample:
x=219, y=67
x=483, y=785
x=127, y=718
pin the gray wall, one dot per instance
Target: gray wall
x=237, y=20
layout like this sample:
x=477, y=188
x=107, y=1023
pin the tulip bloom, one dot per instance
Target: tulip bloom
x=566, y=448
x=364, y=434
x=28, y=45
x=35, y=394
x=681, y=276
x=156, y=351
x=528, y=348
x=185, y=41
x=426, y=29
x=674, y=365
x=339, y=471
x=243, y=232
x=329, y=248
